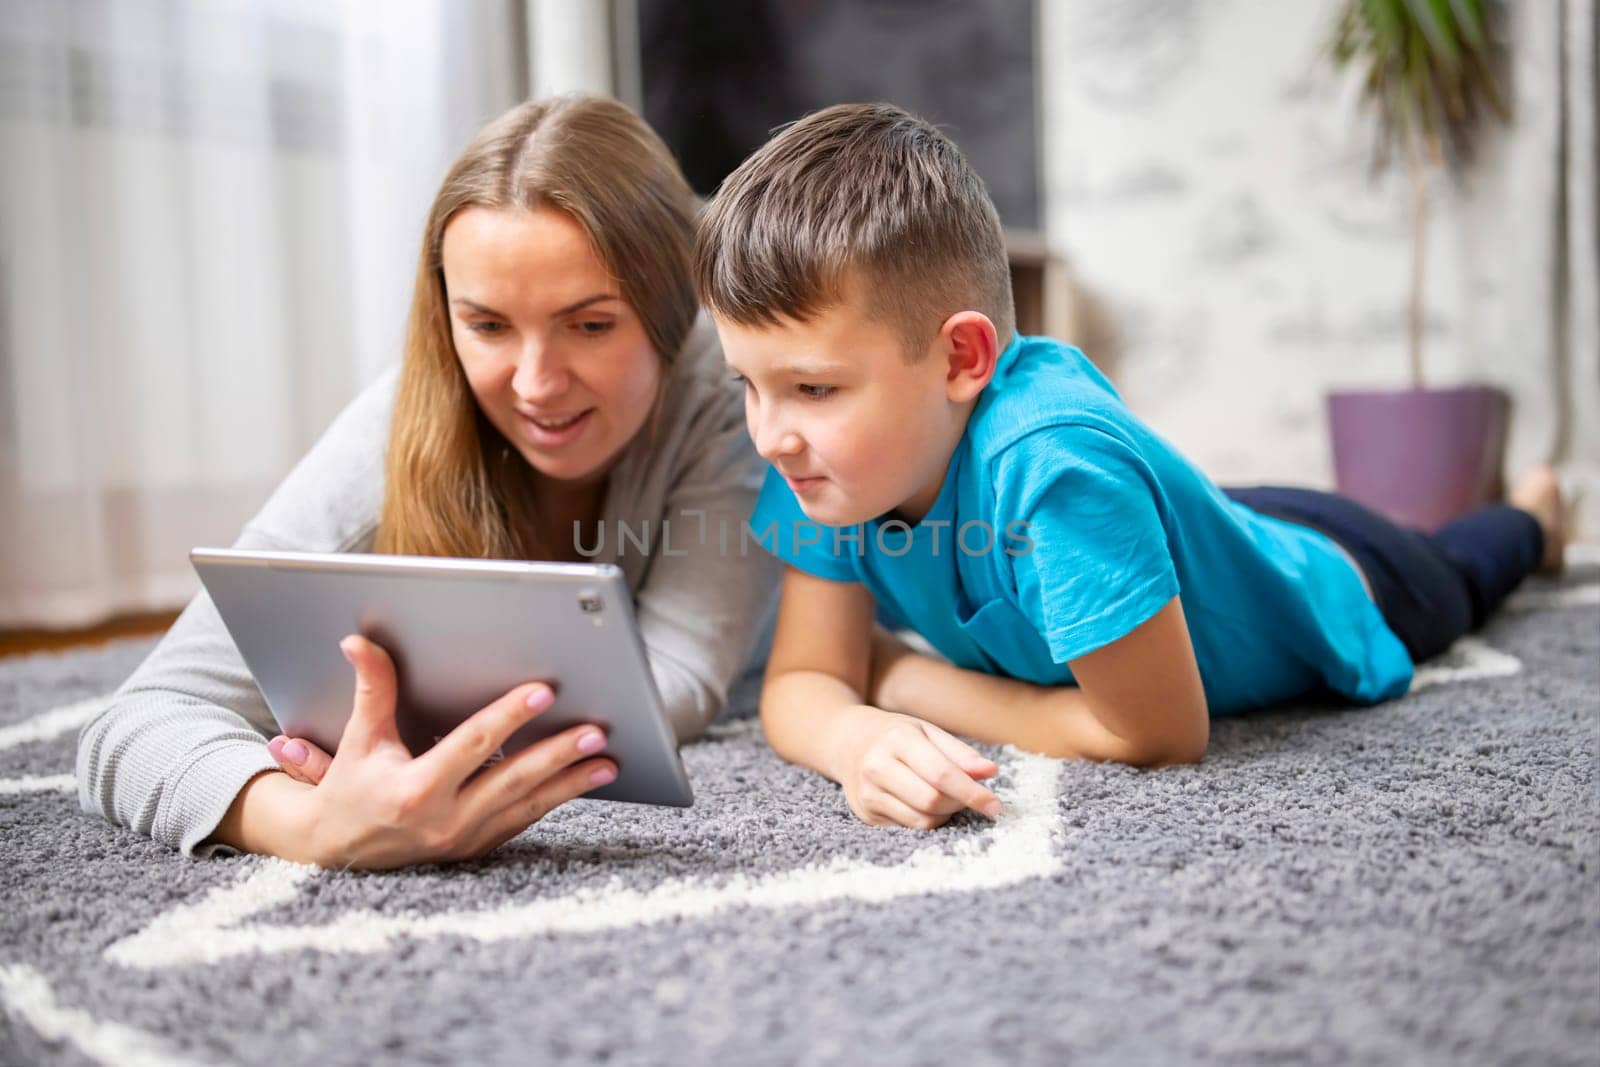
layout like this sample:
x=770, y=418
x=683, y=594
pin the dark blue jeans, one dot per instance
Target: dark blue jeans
x=1431, y=588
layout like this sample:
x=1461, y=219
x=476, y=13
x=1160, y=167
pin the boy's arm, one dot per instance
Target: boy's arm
x=817, y=672
x=1138, y=700
x=894, y=768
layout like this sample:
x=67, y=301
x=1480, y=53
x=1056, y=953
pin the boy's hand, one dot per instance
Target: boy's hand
x=902, y=771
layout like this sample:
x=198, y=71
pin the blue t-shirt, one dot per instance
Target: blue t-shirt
x=1064, y=523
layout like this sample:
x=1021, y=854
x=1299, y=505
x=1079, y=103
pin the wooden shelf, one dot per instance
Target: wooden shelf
x=1038, y=285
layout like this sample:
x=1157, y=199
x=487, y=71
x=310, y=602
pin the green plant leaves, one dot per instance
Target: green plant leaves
x=1426, y=70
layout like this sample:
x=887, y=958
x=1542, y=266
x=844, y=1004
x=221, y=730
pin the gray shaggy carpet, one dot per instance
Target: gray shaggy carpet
x=1409, y=883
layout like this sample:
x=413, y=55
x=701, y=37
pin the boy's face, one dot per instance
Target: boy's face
x=855, y=429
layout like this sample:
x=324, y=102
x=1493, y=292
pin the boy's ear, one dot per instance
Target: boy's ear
x=968, y=344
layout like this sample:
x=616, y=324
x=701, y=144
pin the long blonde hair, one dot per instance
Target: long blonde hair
x=453, y=485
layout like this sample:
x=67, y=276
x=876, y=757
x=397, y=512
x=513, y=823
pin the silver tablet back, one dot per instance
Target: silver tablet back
x=461, y=633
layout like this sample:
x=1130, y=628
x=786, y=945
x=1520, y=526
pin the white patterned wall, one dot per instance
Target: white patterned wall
x=1207, y=181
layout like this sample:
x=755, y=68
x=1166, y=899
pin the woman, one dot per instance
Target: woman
x=556, y=383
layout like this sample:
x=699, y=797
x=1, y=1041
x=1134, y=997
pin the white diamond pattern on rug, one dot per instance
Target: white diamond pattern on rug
x=1020, y=847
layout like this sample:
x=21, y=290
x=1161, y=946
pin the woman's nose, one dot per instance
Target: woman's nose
x=541, y=373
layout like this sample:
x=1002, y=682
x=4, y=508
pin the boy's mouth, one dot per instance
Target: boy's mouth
x=800, y=486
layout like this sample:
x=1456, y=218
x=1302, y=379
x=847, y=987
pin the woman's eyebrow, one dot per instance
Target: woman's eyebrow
x=585, y=302
x=569, y=309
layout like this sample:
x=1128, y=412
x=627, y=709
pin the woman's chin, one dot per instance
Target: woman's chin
x=576, y=470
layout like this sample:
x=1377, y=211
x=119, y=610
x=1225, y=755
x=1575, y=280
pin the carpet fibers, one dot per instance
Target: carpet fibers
x=1415, y=882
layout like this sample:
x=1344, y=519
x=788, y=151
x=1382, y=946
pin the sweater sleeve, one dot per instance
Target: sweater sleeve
x=707, y=607
x=186, y=732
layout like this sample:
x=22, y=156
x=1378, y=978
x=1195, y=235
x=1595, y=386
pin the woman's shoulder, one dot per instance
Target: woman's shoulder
x=698, y=425
x=698, y=373
x=330, y=500
x=700, y=395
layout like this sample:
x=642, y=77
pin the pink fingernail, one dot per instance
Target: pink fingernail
x=591, y=742
x=295, y=753
x=602, y=776
x=540, y=698
x=275, y=746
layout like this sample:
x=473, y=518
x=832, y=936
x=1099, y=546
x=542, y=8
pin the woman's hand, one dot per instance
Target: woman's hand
x=374, y=805
x=299, y=758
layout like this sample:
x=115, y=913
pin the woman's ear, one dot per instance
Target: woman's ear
x=969, y=346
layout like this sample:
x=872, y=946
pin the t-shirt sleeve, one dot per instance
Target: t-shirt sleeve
x=780, y=526
x=1099, y=563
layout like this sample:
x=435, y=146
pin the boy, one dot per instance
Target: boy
x=1095, y=595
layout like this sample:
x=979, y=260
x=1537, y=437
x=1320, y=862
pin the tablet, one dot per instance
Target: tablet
x=462, y=632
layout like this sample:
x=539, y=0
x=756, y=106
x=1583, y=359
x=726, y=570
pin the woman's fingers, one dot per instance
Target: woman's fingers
x=372, y=715
x=300, y=759
x=466, y=748
x=508, y=782
x=567, y=784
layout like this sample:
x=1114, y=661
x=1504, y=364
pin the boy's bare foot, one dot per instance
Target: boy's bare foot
x=1538, y=492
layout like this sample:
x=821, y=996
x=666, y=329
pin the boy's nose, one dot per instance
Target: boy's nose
x=778, y=442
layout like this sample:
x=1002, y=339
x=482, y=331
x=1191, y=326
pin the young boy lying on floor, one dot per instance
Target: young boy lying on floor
x=1096, y=595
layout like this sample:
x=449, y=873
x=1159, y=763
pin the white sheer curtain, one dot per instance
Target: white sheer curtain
x=209, y=215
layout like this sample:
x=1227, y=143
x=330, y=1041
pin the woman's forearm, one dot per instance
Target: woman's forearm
x=270, y=816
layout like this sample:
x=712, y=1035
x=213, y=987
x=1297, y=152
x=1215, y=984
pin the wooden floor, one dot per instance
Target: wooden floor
x=23, y=642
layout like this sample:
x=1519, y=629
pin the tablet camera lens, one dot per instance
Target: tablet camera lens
x=590, y=603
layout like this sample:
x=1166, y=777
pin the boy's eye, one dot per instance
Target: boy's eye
x=817, y=392
x=739, y=379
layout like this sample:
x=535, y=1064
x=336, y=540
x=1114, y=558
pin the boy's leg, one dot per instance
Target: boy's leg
x=1432, y=588
x=1417, y=586
x=1493, y=548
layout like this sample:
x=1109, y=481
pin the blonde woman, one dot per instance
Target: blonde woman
x=557, y=382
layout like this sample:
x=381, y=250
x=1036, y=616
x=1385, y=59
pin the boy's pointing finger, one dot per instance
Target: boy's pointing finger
x=935, y=767
x=963, y=755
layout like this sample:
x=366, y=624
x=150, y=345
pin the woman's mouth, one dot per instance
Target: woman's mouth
x=552, y=431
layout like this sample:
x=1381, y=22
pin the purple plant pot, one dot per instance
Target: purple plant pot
x=1420, y=456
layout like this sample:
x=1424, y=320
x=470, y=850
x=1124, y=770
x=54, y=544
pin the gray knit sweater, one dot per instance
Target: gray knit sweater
x=188, y=730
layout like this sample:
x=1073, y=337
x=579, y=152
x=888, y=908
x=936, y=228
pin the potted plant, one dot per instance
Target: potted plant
x=1420, y=455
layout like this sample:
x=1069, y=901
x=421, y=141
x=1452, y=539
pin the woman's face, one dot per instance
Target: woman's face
x=558, y=362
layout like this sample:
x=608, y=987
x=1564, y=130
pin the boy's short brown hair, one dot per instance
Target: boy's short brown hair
x=856, y=198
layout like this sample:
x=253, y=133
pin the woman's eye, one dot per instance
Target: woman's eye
x=817, y=392
x=595, y=328
x=486, y=328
